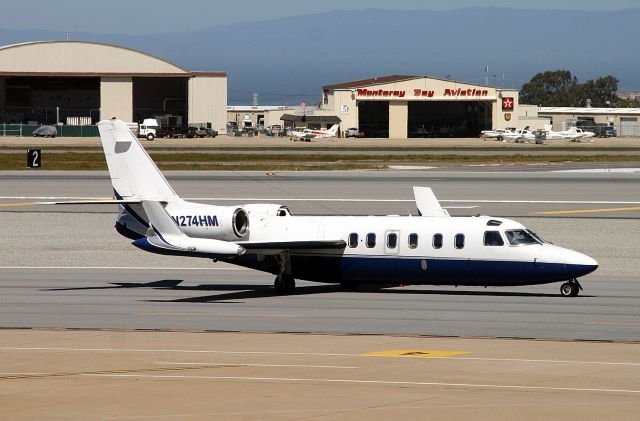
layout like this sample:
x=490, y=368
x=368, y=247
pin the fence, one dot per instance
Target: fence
x=21, y=130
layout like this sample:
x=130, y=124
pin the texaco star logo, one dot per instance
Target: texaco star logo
x=507, y=103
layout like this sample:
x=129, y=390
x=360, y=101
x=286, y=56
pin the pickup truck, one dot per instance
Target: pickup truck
x=170, y=132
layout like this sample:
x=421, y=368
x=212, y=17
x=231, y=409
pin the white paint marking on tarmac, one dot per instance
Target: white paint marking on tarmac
x=117, y=268
x=312, y=354
x=319, y=199
x=378, y=382
x=260, y=365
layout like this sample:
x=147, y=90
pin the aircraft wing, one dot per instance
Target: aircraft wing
x=427, y=202
x=279, y=246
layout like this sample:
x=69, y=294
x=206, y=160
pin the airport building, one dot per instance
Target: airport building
x=80, y=83
x=624, y=120
x=418, y=106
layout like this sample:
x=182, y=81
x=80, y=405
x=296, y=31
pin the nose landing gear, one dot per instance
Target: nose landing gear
x=571, y=288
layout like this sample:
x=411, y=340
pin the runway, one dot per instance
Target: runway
x=488, y=190
x=66, y=266
x=229, y=299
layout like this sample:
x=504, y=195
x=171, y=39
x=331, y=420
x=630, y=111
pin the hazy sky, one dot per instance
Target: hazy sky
x=149, y=16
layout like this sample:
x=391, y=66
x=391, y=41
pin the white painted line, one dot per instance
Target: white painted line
x=25, y=374
x=118, y=268
x=312, y=354
x=184, y=351
x=378, y=382
x=260, y=365
x=318, y=199
x=601, y=170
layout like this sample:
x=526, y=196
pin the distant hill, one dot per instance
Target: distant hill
x=291, y=58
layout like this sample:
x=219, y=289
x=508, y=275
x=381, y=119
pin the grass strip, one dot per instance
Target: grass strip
x=198, y=161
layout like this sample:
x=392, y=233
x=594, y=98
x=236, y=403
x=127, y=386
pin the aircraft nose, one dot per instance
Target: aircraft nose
x=580, y=263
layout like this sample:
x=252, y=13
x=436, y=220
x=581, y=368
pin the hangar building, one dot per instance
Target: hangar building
x=76, y=82
x=417, y=106
x=625, y=120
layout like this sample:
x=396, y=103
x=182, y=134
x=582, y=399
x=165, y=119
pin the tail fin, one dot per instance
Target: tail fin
x=133, y=174
x=334, y=129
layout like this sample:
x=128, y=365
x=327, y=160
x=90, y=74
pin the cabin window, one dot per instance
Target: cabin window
x=413, y=241
x=459, y=241
x=371, y=240
x=520, y=238
x=493, y=238
x=392, y=240
x=353, y=240
x=437, y=241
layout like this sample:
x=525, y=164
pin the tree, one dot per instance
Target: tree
x=550, y=88
x=559, y=88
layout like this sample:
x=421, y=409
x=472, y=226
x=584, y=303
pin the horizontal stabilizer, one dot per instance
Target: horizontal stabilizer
x=427, y=202
x=92, y=202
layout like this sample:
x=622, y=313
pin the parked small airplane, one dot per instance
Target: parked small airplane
x=308, y=134
x=432, y=248
x=497, y=134
x=575, y=134
x=520, y=135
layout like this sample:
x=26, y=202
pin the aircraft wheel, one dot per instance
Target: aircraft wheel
x=569, y=289
x=284, y=284
x=349, y=285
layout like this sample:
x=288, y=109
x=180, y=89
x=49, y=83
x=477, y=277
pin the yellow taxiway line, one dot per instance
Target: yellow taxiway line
x=565, y=212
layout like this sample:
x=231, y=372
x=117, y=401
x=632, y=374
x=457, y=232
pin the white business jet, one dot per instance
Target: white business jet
x=309, y=134
x=431, y=249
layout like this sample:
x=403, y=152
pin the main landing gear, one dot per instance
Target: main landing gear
x=285, y=283
x=571, y=288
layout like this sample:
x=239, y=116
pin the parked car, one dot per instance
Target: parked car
x=191, y=132
x=353, y=132
x=606, y=131
x=274, y=130
x=45, y=131
x=207, y=132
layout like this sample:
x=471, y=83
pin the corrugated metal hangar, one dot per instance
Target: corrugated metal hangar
x=419, y=106
x=50, y=82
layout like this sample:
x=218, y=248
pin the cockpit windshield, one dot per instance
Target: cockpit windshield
x=537, y=237
x=521, y=237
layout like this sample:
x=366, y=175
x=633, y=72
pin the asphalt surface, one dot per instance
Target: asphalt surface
x=66, y=267
x=487, y=189
x=116, y=375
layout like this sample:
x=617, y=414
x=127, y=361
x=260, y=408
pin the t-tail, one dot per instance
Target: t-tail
x=134, y=177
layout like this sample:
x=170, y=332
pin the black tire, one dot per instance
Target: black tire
x=350, y=286
x=284, y=284
x=569, y=289
x=150, y=137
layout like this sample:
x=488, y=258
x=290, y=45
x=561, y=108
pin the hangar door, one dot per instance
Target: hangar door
x=448, y=118
x=628, y=126
x=373, y=118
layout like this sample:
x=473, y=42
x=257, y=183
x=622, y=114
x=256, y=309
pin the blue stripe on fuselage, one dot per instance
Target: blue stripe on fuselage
x=386, y=269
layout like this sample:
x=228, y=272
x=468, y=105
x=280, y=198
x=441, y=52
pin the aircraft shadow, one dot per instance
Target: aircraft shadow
x=249, y=291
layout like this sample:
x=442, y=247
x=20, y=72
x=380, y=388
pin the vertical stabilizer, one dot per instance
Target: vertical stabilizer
x=133, y=174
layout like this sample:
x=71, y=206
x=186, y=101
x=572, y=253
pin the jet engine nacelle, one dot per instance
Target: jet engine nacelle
x=226, y=223
x=267, y=209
